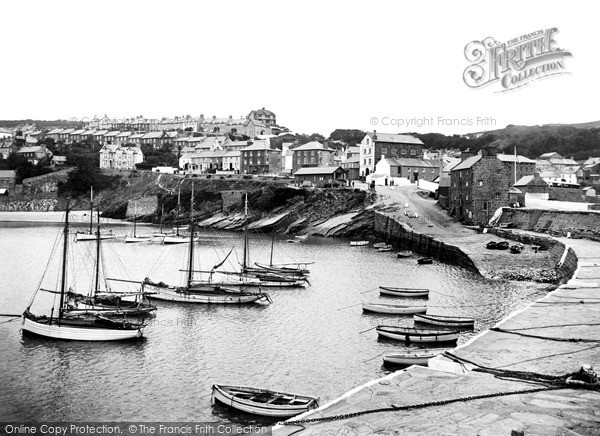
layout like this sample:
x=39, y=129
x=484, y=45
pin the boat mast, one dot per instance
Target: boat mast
x=272, y=243
x=246, y=256
x=63, y=283
x=97, y=257
x=191, y=256
x=162, y=217
x=91, y=209
x=134, y=214
x=178, y=202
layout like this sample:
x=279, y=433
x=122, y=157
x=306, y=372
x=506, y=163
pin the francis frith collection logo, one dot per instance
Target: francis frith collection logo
x=515, y=63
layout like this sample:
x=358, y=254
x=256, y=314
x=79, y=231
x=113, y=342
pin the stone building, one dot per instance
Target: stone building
x=7, y=181
x=260, y=158
x=533, y=185
x=406, y=168
x=478, y=186
x=312, y=154
x=519, y=166
x=113, y=156
x=389, y=145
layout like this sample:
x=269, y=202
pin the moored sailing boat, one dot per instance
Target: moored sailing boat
x=89, y=235
x=177, y=238
x=201, y=292
x=135, y=237
x=62, y=326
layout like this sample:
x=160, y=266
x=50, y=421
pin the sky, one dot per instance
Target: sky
x=319, y=65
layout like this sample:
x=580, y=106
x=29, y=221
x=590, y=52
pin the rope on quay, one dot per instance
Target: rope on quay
x=11, y=315
x=585, y=378
x=418, y=406
x=370, y=290
x=548, y=338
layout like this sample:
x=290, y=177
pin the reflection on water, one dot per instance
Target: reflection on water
x=315, y=340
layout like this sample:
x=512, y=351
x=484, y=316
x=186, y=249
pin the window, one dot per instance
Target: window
x=408, y=169
x=413, y=152
x=497, y=196
x=423, y=170
x=467, y=197
x=479, y=182
x=485, y=206
x=384, y=150
x=368, y=140
x=466, y=183
x=394, y=151
x=403, y=152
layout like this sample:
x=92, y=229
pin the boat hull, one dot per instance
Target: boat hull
x=407, y=359
x=400, y=292
x=175, y=240
x=445, y=321
x=199, y=297
x=129, y=240
x=358, y=243
x=408, y=336
x=393, y=310
x=87, y=237
x=55, y=331
x=221, y=395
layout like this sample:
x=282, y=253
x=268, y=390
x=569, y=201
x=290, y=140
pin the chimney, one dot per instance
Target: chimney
x=465, y=154
x=230, y=117
x=374, y=135
x=489, y=151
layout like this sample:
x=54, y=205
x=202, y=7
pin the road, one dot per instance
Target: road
x=430, y=219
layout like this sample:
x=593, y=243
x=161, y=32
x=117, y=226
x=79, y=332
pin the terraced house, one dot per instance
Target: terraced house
x=478, y=186
x=389, y=145
x=312, y=154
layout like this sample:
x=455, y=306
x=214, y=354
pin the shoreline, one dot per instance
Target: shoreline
x=501, y=414
x=52, y=217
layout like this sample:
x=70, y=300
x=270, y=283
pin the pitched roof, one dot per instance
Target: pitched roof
x=563, y=162
x=88, y=132
x=55, y=131
x=412, y=162
x=513, y=158
x=352, y=159
x=100, y=133
x=8, y=173
x=32, y=149
x=124, y=134
x=467, y=163
x=77, y=132
x=313, y=145
x=317, y=170
x=153, y=135
x=392, y=137
x=67, y=131
x=260, y=145
x=550, y=155
x=531, y=180
x=111, y=134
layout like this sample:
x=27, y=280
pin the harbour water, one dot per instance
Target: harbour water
x=314, y=340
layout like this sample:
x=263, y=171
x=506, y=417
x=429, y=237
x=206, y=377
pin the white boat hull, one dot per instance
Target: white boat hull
x=169, y=294
x=79, y=333
x=279, y=411
x=129, y=240
x=358, y=243
x=416, y=337
x=410, y=358
x=175, y=240
x=394, y=310
x=445, y=321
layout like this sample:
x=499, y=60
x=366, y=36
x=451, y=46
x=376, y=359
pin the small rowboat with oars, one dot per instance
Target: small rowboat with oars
x=446, y=321
x=403, y=292
x=263, y=401
x=393, y=309
x=411, y=334
x=415, y=357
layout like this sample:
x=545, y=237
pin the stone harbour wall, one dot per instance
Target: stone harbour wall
x=29, y=205
x=579, y=224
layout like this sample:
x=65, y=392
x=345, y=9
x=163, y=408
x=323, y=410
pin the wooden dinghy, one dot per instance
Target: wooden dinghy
x=411, y=334
x=385, y=248
x=403, y=292
x=263, y=401
x=405, y=253
x=415, y=357
x=394, y=309
x=380, y=245
x=502, y=245
x=424, y=260
x=447, y=321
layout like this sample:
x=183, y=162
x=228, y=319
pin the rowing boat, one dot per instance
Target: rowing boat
x=394, y=309
x=411, y=334
x=263, y=401
x=407, y=358
x=403, y=292
x=447, y=321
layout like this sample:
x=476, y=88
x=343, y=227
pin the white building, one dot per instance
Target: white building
x=113, y=156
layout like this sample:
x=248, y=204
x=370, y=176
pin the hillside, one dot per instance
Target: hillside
x=577, y=140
